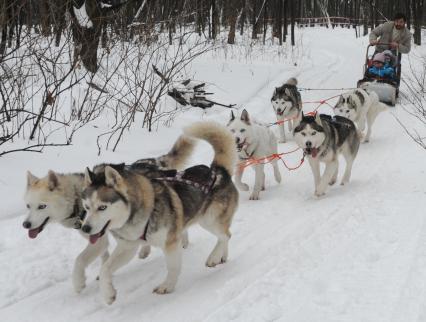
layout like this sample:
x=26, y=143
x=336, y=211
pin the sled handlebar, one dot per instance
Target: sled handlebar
x=381, y=43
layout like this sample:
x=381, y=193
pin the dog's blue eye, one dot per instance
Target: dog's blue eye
x=304, y=134
x=87, y=207
x=242, y=130
x=102, y=208
x=42, y=207
x=313, y=133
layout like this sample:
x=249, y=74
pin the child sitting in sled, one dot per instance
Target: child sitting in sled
x=380, y=68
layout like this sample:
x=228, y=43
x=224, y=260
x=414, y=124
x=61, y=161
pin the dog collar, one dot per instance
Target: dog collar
x=248, y=155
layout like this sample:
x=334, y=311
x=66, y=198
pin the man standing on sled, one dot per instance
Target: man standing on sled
x=393, y=35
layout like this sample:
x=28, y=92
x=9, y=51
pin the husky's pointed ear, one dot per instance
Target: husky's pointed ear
x=287, y=92
x=52, y=180
x=245, y=117
x=232, y=116
x=31, y=178
x=318, y=118
x=339, y=102
x=88, y=177
x=112, y=177
x=351, y=102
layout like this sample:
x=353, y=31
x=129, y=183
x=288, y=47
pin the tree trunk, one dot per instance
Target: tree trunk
x=292, y=13
x=214, y=19
x=253, y=20
x=285, y=8
x=417, y=21
x=232, y=21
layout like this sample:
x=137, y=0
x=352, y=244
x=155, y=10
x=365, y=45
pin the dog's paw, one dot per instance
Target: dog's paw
x=366, y=140
x=164, y=288
x=212, y=261
x=278, y=177
x=254, y=196
x=332, y=181
x=79, y=284
x=110, y=296
x=144, y=252
x=263, y=188
x=319, y=193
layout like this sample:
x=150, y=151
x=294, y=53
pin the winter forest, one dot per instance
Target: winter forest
x=123, y=123
x=56, y=39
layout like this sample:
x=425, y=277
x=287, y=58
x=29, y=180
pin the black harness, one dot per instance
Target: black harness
x=196, y=176
x=200, y=177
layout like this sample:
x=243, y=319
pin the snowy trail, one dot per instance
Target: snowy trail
x=357, y=254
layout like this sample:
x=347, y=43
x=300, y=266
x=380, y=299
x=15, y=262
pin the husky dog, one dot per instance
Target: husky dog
x=57, y=198
x=360, y=107
x=322, y=139
x=287, y=104
x=155, y=211
x=253, y=141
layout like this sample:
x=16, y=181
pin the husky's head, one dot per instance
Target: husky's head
x=106, y=201
x=346, y=107
x=242, y=129
x=309, y=134
x=47, y=201
x=282, y=100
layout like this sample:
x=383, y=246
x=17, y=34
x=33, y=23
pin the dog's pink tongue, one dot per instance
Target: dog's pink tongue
x=32, y=233
x=93, y=238
x=314, y=152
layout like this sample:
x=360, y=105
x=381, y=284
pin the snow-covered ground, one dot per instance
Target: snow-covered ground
x=358, y=254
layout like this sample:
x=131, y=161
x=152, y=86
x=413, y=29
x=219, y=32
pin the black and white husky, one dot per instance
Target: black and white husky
x=253, y=141
x=361, y=107
x=322, y=139
x=287, y=104
x=56, y=198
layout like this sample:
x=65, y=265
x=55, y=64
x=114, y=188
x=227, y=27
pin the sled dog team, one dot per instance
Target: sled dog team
x=153, y=201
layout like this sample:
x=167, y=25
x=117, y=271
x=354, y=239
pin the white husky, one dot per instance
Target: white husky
x=360, y=107
x=253, y=141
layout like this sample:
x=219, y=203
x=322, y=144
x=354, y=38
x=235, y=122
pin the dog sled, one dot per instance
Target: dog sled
x=189, y=92
x=386, y=88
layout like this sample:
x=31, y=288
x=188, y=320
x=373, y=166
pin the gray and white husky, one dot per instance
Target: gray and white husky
x=323, y=139
x=56, y=198
x=361, y=107
x=253, y=141
x=138, y=209
x=287, y=104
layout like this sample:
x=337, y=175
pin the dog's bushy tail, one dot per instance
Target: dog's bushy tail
x=220, y=138
x=178, y=154
x=292, y=81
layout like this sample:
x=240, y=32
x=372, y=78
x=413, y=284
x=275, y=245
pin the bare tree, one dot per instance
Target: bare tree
x=415, y=97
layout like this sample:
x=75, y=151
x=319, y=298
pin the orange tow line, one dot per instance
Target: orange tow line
x=268, y=159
